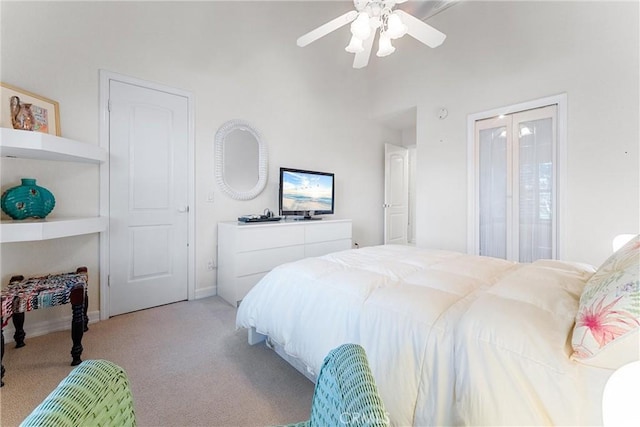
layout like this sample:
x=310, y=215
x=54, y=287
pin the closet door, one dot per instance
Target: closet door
x=534, y=184
x=516, y=181
x=494, y=186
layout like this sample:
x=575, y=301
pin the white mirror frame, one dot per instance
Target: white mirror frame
x=221, y=135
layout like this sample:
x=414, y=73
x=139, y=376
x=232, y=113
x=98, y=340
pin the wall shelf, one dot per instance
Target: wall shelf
x=41, y=146
x=51, y=228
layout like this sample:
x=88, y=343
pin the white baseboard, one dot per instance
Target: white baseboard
x=206, y=292
x=46, y=326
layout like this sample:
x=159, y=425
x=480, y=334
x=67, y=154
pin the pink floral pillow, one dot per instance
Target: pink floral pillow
x=606, y=333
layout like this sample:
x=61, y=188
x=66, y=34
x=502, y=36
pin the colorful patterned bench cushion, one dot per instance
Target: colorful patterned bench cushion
x=39, y=292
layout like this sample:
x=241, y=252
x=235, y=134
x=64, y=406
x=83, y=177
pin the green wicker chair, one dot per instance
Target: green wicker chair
x=96, y=393
x=346, y=392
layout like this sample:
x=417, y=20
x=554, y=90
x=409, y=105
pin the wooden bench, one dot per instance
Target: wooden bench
x=22, y=295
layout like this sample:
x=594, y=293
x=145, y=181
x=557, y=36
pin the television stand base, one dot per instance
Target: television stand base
x=307, y=218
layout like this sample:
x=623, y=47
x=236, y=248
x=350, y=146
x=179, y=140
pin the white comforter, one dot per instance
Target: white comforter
x=512, y=352
x=404, y=305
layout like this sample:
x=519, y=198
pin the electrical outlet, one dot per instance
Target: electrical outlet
x=211, y=265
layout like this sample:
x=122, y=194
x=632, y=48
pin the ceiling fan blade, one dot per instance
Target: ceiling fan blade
x=362, y=58
x=420, y=31
x=325, y=29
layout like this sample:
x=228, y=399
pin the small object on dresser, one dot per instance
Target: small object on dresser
x=258, y=218
x=27, y=200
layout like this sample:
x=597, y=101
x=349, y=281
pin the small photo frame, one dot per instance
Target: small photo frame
x=43, y=113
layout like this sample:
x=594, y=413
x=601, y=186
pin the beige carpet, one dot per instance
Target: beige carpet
x=187, y=364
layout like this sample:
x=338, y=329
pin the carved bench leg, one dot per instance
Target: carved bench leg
x=1, y=358
x=77, y=323
x=80, y=270
x=18, y=324
x=84, y=312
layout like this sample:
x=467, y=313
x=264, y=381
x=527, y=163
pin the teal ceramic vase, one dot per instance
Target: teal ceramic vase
x=27, y=200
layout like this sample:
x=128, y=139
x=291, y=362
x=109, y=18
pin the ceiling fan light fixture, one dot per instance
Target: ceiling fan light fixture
x=361, y=27
x=369, y=17
x=355, y=45
x=384, y=45
x=375, y=22
x=395, y=27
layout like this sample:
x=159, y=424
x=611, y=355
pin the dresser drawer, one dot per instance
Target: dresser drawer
x=323, y=248
x=323, y=232
x=245, y=283
x=262, y=261
x=252, y=237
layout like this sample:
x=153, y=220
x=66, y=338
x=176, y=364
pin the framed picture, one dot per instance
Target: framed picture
x=20, y=109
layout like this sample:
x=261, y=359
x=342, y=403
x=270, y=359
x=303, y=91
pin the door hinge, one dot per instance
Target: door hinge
x=108, y=280
x=109, y=105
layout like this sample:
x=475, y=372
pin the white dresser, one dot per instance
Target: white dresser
x=246, y=252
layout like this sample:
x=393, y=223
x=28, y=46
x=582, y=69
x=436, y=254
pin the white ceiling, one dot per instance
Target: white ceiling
x=426, y=8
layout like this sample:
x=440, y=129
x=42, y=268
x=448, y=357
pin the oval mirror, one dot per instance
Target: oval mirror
x=241, y=160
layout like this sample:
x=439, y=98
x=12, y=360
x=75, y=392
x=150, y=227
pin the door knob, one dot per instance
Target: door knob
x=183, y=209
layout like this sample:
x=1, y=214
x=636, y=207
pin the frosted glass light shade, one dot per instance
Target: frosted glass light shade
x=360, y=27
x=384, y=45
x=395, y=27
x=355, y=45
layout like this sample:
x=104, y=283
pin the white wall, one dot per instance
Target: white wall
x=503, y=53
x=316, y=112
x=240, y=60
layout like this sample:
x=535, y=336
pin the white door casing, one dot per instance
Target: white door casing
x=149, y=258
x=396, y=194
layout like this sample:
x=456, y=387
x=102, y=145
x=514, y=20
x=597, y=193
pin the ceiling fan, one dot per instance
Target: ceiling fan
x=370, y=16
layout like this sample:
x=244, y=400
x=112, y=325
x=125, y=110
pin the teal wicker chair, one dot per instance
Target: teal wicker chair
x=96, y=393
x=346, y=392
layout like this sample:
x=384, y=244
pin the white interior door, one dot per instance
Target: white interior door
x=396, y=194
x=534, y=189
x=148, y=197
x=494, y=187
x=516, y=185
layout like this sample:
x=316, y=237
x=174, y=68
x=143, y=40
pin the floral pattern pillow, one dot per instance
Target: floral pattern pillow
x=608, y=318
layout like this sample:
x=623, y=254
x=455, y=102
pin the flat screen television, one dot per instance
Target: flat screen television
x=306, y=193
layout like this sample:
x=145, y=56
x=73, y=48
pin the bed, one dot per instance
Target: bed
x=452, y=339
